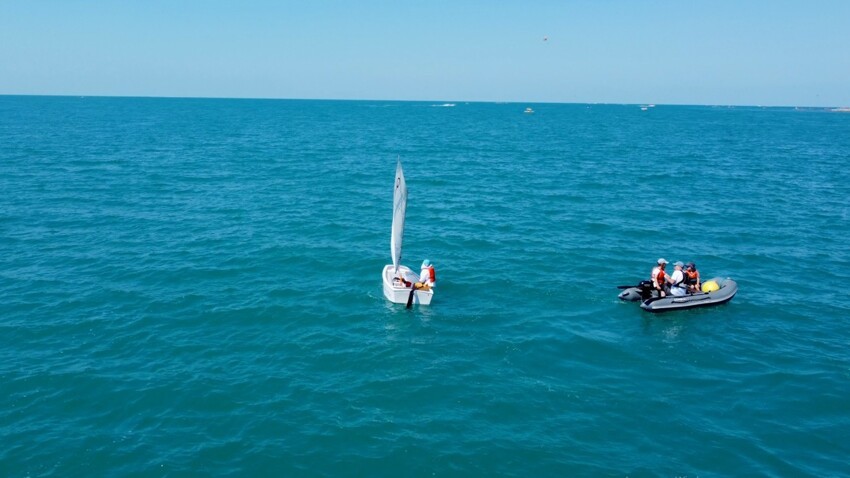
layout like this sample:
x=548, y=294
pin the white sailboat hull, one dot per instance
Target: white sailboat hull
x=400, y=294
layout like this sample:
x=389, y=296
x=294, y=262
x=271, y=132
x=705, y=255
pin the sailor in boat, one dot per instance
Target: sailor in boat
x=692, y=277
x=425, y=281
x=658, y=277
x=427, y=276
x=677, y=280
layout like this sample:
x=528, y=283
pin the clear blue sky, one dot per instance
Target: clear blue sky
x=701, y=52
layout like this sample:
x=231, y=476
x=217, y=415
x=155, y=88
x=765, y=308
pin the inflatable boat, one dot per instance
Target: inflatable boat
x=717, y=291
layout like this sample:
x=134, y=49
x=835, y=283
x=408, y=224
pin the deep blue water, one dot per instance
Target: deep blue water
x=192, y=287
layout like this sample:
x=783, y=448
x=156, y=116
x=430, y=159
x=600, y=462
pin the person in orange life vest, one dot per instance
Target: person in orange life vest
x=427, y=275
x=692, y=277
x=659, y=277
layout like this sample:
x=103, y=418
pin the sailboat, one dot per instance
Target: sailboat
x=395, y=289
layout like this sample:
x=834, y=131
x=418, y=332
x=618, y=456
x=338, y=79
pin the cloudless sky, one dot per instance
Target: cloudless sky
x=754, y=52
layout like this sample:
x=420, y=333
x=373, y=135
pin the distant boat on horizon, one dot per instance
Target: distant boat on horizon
x=528, y=111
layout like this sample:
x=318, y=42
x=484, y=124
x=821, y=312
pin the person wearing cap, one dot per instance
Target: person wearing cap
x=692, y=277
x=659, y=277
x=427, y=276
x=677, y=280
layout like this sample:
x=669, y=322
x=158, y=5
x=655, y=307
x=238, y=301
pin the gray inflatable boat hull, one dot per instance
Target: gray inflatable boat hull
x=728, y=289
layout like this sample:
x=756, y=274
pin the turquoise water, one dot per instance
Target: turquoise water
x=192, y=287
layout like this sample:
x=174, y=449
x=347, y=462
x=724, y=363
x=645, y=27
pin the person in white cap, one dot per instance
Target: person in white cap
x=659, y=277
x=427, y=276
x=677, y=280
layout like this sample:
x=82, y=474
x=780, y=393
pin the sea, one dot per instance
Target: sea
x=192, y=287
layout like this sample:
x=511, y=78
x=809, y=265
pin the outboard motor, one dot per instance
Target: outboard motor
x=645, y=289
x=641, y=292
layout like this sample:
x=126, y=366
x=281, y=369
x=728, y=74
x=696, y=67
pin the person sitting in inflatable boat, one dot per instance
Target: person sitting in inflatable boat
x=677, y=280
x=692, y=277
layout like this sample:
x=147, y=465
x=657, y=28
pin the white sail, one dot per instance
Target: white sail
x=399, y=209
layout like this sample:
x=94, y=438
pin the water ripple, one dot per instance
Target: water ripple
x=191, y=287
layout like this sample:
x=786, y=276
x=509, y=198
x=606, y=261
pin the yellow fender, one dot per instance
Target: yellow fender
x=710, y=286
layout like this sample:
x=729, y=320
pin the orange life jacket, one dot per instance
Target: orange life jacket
x=691, y=277
x=432, y=274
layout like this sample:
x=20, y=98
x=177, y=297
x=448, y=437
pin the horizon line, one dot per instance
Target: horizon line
x=260, y=98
